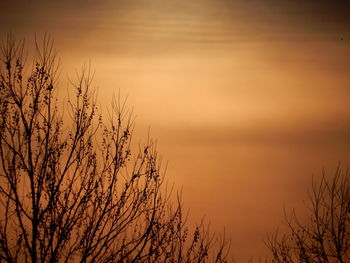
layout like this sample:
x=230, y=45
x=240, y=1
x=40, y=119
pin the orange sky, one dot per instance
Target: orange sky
x=247, y=98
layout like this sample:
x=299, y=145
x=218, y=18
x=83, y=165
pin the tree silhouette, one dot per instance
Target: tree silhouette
x=326, y=236
x=71, y=190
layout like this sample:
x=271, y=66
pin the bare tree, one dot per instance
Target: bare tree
x=326, y=235
x=70, y=189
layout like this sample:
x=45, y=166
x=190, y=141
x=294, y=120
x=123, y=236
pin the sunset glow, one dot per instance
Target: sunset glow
x=247, y=99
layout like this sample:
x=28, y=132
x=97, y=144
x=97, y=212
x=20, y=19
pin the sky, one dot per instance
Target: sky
x=248, y=99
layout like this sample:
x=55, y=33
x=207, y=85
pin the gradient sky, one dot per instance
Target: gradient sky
x=248, y=99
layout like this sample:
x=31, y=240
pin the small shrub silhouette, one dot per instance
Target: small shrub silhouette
x=326, y=235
